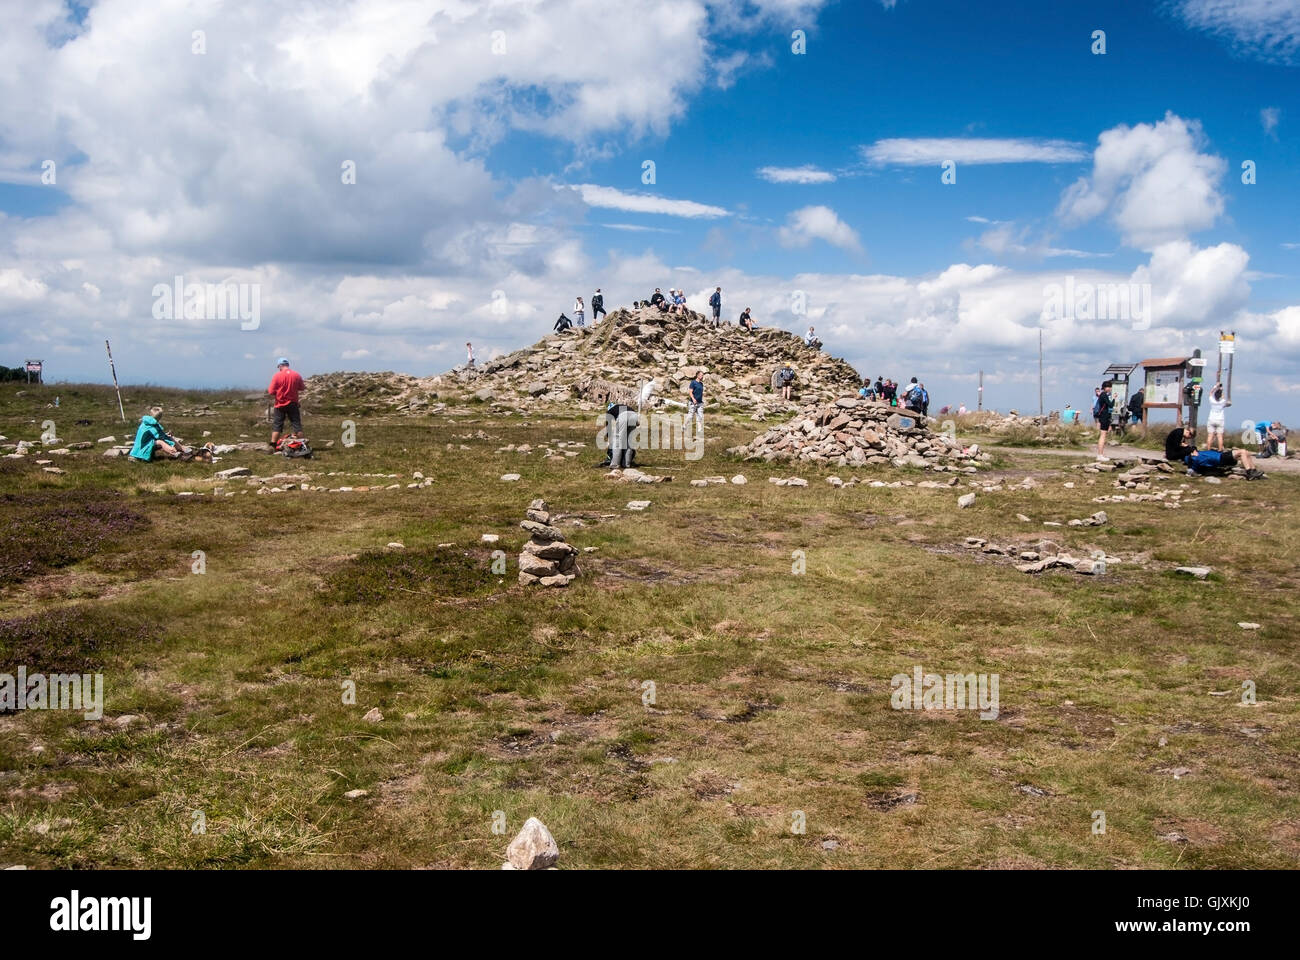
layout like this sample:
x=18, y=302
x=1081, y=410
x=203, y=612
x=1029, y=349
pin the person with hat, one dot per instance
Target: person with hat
x=285, y=387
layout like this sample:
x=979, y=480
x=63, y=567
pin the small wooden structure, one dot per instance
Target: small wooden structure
x=1165, y=379
x=1119, y=376
x=34, y=367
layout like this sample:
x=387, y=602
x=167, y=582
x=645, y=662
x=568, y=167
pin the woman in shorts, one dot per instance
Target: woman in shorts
x=1214, y=426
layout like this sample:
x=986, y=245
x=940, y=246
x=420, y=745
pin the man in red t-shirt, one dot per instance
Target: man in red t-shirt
x=285, y=387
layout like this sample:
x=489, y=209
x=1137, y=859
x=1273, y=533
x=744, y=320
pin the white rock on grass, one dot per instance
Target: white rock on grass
x=533, y=848
x=1200, y=573
x=510, y=476
x=373, y=715
x=738, y=479
x=965, y=500
x=637, y=504
x=1245, y=625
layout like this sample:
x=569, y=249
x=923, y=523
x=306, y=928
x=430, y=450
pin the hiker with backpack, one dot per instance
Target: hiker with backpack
x=785, y=377
x=285, y=387
x=1102, y=409
x=923, y=400
x=597, y=306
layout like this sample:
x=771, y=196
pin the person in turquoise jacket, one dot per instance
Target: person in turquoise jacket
x=152, y=442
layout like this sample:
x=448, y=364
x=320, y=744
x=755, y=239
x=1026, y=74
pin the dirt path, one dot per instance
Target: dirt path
x=1121, y=451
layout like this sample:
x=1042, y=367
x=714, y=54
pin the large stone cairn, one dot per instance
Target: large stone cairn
x=629, y=347
x=851, y=433
x=546, y=559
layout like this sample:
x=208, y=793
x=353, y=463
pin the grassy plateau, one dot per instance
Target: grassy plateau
x=691, y=701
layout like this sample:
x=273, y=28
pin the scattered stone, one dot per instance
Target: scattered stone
x=231, y=472
x=107, y=440
x=533, y=848
x=849, y=432
x=965, y=500
x=637, y=504
x=489, y=538
x=1245, y=625
x=356, y=794
x=373, y=715
x=738, y=479
x=395, y=545
x=1200, y=573
x=510, y=476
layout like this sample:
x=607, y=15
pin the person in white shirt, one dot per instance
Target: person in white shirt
x=1214, y=426
x=578, y=309
x=469, y=349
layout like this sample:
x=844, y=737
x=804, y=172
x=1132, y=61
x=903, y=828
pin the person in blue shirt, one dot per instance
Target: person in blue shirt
x=152, y=442
x=1267, y=435
x=696, y=407
x=715, y=302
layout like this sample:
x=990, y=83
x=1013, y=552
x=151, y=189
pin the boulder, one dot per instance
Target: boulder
x=533, y=847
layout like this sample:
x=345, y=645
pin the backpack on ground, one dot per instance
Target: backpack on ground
x=295, y=447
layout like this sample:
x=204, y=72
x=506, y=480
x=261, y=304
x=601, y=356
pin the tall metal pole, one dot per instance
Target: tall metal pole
x=115, y=386
x=980, y=401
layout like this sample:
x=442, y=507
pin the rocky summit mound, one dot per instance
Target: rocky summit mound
x=849, y=432
x=399, y=392
x=633, y=346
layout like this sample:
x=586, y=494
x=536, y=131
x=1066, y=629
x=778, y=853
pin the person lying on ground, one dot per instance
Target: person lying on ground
x=1180, y=445
x=1219, y=461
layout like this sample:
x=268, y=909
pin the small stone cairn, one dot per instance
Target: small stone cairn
x=546, y=558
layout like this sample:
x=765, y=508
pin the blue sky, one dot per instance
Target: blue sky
x=494, y=187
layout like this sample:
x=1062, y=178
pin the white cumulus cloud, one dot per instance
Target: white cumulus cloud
x=818, y=223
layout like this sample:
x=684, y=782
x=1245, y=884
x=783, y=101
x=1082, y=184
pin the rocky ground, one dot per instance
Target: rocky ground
x=627, y=347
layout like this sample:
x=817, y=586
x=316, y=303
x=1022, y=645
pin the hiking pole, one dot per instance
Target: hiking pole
x=116, y=388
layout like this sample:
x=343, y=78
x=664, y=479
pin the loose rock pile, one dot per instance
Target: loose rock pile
x=631, y=346
x=850, y=433
x=627, y=347
x=546, y=558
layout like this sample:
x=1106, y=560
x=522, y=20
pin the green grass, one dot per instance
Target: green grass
x=228, y=692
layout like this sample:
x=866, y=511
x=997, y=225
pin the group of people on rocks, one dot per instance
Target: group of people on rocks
x=913, y=397
x=580, y=313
